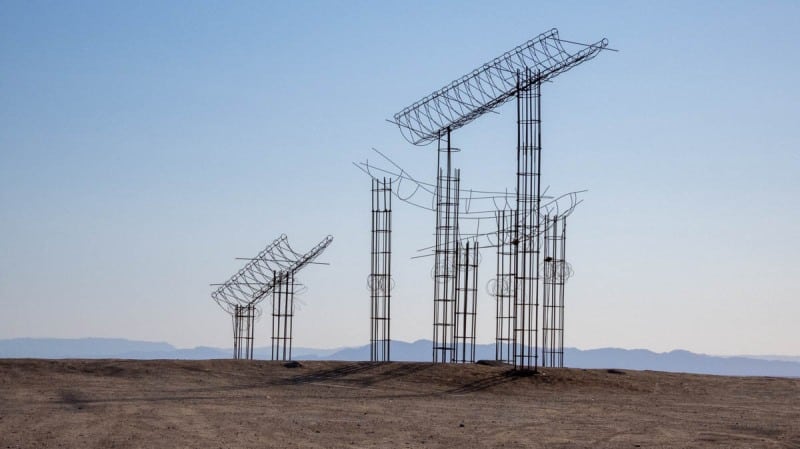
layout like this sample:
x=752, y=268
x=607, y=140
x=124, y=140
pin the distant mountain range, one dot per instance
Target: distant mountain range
x=418, y=351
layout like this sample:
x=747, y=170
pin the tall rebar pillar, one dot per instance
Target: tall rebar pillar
x=444, y=272
x=380, y=278
x=243, y=331
x=555, y=273
x=467, y=258
x=526, y=229
x=505, y=282
x=282, y=315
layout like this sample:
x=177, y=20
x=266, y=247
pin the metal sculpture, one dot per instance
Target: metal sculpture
x=518, y=215
x=263, y=276
x=519, y=74
x=480, y=206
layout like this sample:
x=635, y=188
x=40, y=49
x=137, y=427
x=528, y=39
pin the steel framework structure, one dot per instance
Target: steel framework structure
x=519, y=74
x=526, y=227
x=474, y=205
x=444, y=269
x=556, y=271
x=380, y=278
x=491, y=85
x=501, y=237
x=243, y=285
x=282, y=315
x=300, y=261
x=466, y=306
x=263, y=275
x=244, y=319
x=504, y=286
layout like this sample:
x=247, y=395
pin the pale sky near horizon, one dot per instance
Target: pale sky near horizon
x=144, y=146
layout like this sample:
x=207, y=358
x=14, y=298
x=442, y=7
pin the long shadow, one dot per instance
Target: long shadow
x=483, y=384
x=340, y=373
x=395, y=371
x=330, y=374
x=76, y=399
x=363, y=371
x=471, y=387
x=77, y=403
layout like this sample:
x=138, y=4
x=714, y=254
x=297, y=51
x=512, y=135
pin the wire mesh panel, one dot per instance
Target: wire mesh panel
x=380, y=278
x=517, y=73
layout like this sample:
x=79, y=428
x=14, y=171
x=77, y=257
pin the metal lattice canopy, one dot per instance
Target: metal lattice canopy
x=256, y=280
x=487, y=87
x=301, y=262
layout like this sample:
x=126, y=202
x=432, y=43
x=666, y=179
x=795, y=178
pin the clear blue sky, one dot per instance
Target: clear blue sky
x=144, y=145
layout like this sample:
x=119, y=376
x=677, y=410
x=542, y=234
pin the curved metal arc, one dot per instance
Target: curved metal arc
x=403, y=174
x=468, y=212
x=574, y=202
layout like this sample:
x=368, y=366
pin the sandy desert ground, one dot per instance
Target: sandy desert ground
x=253, y=404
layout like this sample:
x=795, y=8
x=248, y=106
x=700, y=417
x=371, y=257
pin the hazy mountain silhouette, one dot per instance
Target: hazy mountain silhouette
x=638, y=359
x=76, y=348
x=418, y=351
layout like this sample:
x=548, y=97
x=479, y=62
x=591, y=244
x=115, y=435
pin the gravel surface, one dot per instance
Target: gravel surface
x=256, y=404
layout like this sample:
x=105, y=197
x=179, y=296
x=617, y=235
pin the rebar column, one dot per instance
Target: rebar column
x=555, y=275
x=564, y=272
x=505, y=281
x=380, y=278
x=282, y=315
x=526, y=229
x=237, y=330
x=243, y=329
x=466, y=302
x=444, y=272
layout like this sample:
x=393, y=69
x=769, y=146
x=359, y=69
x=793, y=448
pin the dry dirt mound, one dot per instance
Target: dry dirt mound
x=226, y=403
